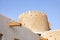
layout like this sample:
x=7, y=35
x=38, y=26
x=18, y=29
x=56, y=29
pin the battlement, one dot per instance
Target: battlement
x=35, y=20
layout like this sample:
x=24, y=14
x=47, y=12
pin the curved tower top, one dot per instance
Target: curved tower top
x=34, y=20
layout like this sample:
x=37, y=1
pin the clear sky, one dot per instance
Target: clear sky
x=12, y=9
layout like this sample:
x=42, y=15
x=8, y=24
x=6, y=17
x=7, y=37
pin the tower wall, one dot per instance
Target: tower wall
x=34, y=20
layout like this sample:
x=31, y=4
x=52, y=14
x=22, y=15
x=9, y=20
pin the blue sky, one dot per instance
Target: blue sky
x=12, y=9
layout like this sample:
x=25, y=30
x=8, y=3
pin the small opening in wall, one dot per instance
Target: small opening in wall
x=31, y=15
x=50, y=35
x=1, y=36
x=39, y=34
x=35, y=15
x=20, y=24
x=16, y=39
x=24, y=24
x=55, y=38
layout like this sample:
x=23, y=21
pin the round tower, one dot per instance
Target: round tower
x=35, y=21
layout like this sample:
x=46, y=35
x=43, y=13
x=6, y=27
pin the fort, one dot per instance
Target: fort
x=32, y=25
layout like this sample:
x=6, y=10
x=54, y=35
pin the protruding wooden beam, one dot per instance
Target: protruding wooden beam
x=43, y=39
x=13, y=24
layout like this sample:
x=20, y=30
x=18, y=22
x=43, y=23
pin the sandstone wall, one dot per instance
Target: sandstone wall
x=34, y=20
x=52, y=35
